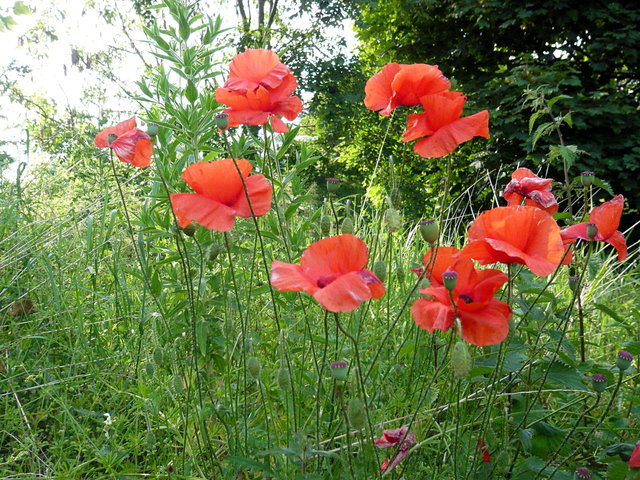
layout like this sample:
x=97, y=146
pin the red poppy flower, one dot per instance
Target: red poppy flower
x=131, y=145
x=444, y=258
x=391, y=438
x=524, y=235
x=256, y=67
x=535, y=191
x=486, y=456
x=634, y=461
x=220, y=195
x=398, y=84
x=483, y=319
x=606, y=218
x=442, y=125
x=333, y=271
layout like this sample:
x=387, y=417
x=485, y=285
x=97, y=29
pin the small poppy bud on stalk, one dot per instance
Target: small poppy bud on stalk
x=254, y=367
x=333, y=184
x=393, y=219
x=283, y=379
x=339, y=370
x=325, y=225
x=347, y=225
x=152, y=129
x=111, y=138
x=624, y=360
x=221, y=120
x=583, y=473
x=592, y=231
x=599, y=382
x=190, y=230
x=573, y=283
x=356, y=413
x=586, y=179
x=158, y=356
x=450, y=280
x=149, y=368
x=380, y=270
x=461, y=361
x=429, y=230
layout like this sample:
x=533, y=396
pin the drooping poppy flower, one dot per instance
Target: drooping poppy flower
x=524, y=235
x=606, y=218
x=442, y=125
x=131, y=145
x=634, y=461
x=397, y=85
x=535, y=191
x=220, y=195
x=392, y=438
x=484, y=320
x=333, y=271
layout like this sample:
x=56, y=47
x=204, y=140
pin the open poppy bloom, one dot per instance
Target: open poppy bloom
x=634, y=461
x=397, y=85
x=606, y=218
x=524, y=235
x=442, y=126
x=535, y=191
x=483, y=319
x=333, y=271
x=444, y=258
x=392, y=438
x=220, y=195
x=258, y=90
x=131, y=145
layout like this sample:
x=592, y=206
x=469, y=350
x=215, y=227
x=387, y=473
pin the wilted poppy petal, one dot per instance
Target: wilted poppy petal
x=102, y=139
x=488, y=326
x=207, y=212
x=289, y=277
x=133, y=147
x=378, y=92
x=541, y=199
x=446, y=139
x=218, y=180
x=344, y=294
x=607, y=216
x=260, y=191
x=335, y=256
x=430, y=315
x=255, y=67
x=512, y=198
x=617, y=240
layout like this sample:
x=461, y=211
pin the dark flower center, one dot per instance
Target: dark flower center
x=466, y=298
x=325, y=280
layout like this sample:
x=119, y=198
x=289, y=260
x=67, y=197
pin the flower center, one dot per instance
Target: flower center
x=325, y=280
x=466, y=298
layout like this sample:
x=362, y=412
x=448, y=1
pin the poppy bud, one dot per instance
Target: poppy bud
x=400, y=274
x=624, y=360
x=325, y=225
x=380, y=270
x=149, y=368
x=221, y=120
x=393, y=219
x=461, y=361
x=586, y=179
x=592, y=231
x=254, y=367
x=152, y=129
x=190, y=230
x=179, y=384
x=429, y=230
x=158, y=356
x=283, y=379
x=347, y=225
x=111, y=138
x=599, y=382
x=214, y=251
x=573, y=283
x=450, y=279
x=583, y=473
x=339, y=370
x=333, y=184
x=228, y=328
x=356, y=413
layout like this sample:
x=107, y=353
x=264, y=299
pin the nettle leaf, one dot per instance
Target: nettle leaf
x=564, y=376
x=542, y=130
x=617, y=471
x=632, y=347
x=613, y=315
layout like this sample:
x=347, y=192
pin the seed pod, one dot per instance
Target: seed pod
x=179, y=384
x=450, y=280
x=254, y=367
x=152, y=129
x=461, y=361
x=599, y=382
x=333, y=184
x=190, y=229
x=430, y=231
x=583, y=473
x=356, y=413
x=283, y=379
x=325, y=225
x=624, y=360
x=573, y=283
x=191, y=92
x=587, y=178
x=339, y=370
x=380, y=270
x=347, y=225
x=592, y=231
x=221, y=120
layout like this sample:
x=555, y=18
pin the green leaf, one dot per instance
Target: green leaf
x=617, y=471
x=19, y=8
x=565, y=376
x=632, y=347
x=542, y=130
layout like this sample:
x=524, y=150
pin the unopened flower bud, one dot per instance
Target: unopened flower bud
x=380, y=270
x=283, y=379
x=573, y=283
x=592, y=231
x=152, y=129
x=111, y=138
x=190, y=229
x=356, y=413
x=214, y=251
x=450, y=280
x=429, y=230
x=221, y=120
x=158, y=356
x=599, y=382
x=254, y=367
x=333, y=184
x=179, y=384
x=461, y=361
x=339, y=370
x=624, y=360
x=325, y=225
x=583, y=473
x=393, y=219
x=586, y=179
x=149, y=368
x=347, y=225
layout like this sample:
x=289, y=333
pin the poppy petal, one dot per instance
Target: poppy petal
x=334, y=256
x=444, y=108
x=512, y=198
x=487, y=283
x=446, y=139
x=289, y=108
x=634, y=460
x=133, y=147
x=378, y=92
x=278, y=125
x=607, y=216
x=415, y=81
x=572, y=233
x=102, y=138
x=255, y=67
x=417, y=127
x=488, y=326
x=218, y=180
x=375, y=285
x=288, y=277
x=344, y=294
x=444, y=258
x=207, y=212
x=430, y=315
x=620, y=244
x=260, y=191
